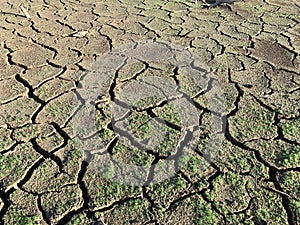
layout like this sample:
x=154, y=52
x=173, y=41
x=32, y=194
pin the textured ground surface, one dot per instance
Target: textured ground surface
x=253, y=46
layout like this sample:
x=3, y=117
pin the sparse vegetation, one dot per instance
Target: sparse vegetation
x=54, y=172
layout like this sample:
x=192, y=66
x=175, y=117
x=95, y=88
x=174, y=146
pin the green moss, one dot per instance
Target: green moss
x=204, y=214
x=131, y=155
x=257, y=122
x=190, y=84
x=106, y=136
x=80, y=219
x=104, y=191
x=57, y=204
x=295, y=205
x=291, y=180
x=291, y=155
x=278, y=152
x=169, y=112
x=8, y=164
x=103, y=115
x=17, y=217
x=146, y=102
x=267, y=208
x=23, y=210
x=139, y=125
x=170, y=142
x=144, y=129
x=163, y=193
x=13, y=164
x=291, y=128
x=27, y=132
x=134, y=211
x=252, y=121
x=5, y=141
x=54, y=110
x=228, y=192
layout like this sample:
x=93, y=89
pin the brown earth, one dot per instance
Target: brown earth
x=251, y=177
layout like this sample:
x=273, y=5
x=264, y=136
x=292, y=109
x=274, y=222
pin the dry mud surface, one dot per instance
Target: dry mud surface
x=251, y=46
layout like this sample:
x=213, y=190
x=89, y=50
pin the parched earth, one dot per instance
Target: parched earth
x=237, y=69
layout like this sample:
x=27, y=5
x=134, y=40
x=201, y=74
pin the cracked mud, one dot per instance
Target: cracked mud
x=253, y=49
